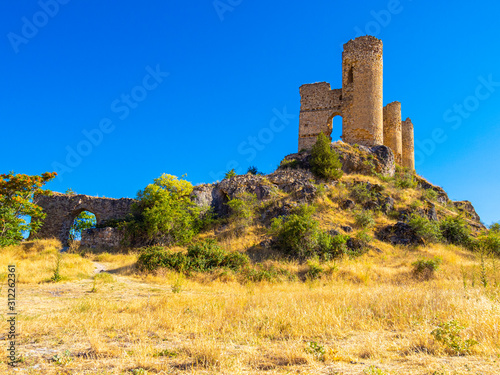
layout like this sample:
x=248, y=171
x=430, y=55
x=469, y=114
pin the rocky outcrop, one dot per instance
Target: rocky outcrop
x=422, y=183
x=299, y=182
x=468, y=209
x=399, y=234
x=354, y=159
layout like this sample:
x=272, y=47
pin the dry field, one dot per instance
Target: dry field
x=368, y=315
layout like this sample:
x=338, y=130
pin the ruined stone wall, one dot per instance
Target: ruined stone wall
x=392, y=130
x=362, y=91
x=318, y=105
x=408, y=144
x=62, y=209
x=102, y=238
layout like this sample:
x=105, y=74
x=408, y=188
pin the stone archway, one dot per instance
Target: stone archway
x=332, y=128
x=61, y=210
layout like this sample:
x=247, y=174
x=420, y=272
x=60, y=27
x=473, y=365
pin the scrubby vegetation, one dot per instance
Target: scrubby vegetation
x=288, y=284
x=325, y=161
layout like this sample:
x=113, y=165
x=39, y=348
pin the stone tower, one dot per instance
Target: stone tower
x=408, y=145
x=392, y=130
x=362, y=91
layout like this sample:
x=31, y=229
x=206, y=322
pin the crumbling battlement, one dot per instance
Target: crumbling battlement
x=62, y=209
x=359, y=102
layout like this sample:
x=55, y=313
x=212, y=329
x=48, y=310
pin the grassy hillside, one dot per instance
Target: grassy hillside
x=383, y=309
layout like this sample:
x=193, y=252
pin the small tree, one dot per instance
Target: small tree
x=253, y=170
x=230, y=174
x=16, y=202
x=325, y=162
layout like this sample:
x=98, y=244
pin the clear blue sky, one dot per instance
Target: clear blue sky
x=185, y=87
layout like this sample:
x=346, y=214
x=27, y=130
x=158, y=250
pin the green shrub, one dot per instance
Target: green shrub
x=297, y=235
x=325, y=162
x=425, y=268
x=243, y=211
x=426, y=229
x=448, y=334
x=455, y=231
x=364, y=219
x=362, y=195
x=253, y=170
x=267, y=273
x=405, y=181
x=201, y=257
x=156, y=257
x=429, y=194
x=289, y=164
x=495, y=228
x=491, y=242
x=332, y=246
x=315, y=270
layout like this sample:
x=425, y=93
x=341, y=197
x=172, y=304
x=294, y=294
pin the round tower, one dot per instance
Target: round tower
x=362, y=91
x=408, y=146
x=392, y=130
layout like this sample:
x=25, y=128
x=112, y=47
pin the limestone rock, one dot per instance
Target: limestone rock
x=354, y=159
x=468, y=209
x=399, y=234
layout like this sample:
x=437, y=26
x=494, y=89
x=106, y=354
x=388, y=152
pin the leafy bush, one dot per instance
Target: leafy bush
x=297, y=235
x=267, y=273
x=364, y=219
x=448, y=334
x=243, y=211
x=165, y=213
x=405, y=181
x=315, y=270
x=201, y=257
x=491, y=242
x=289, y=164
x=428, y=230
x=361, y=194
x=495, y=228
x=455, y=231
x=325, y=162
x=253, y=170
x=332, y=246
x=422, y=266
x=429, y=194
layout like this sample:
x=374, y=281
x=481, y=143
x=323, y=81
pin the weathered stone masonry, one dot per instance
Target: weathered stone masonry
x=62, y=209
x=359, y=102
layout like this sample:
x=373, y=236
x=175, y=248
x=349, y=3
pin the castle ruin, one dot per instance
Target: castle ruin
x=360, y=103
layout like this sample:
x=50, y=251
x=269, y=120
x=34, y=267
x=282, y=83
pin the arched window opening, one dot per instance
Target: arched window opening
x=84, y=220
x=335, y=123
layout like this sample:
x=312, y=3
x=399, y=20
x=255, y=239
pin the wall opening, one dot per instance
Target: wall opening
x=84, y=220
x=350, y=75
x=335, y=123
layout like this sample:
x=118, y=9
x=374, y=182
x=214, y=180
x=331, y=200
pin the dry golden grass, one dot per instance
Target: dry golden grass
x=368, y=315
x=36, y=260
x=368, y=311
